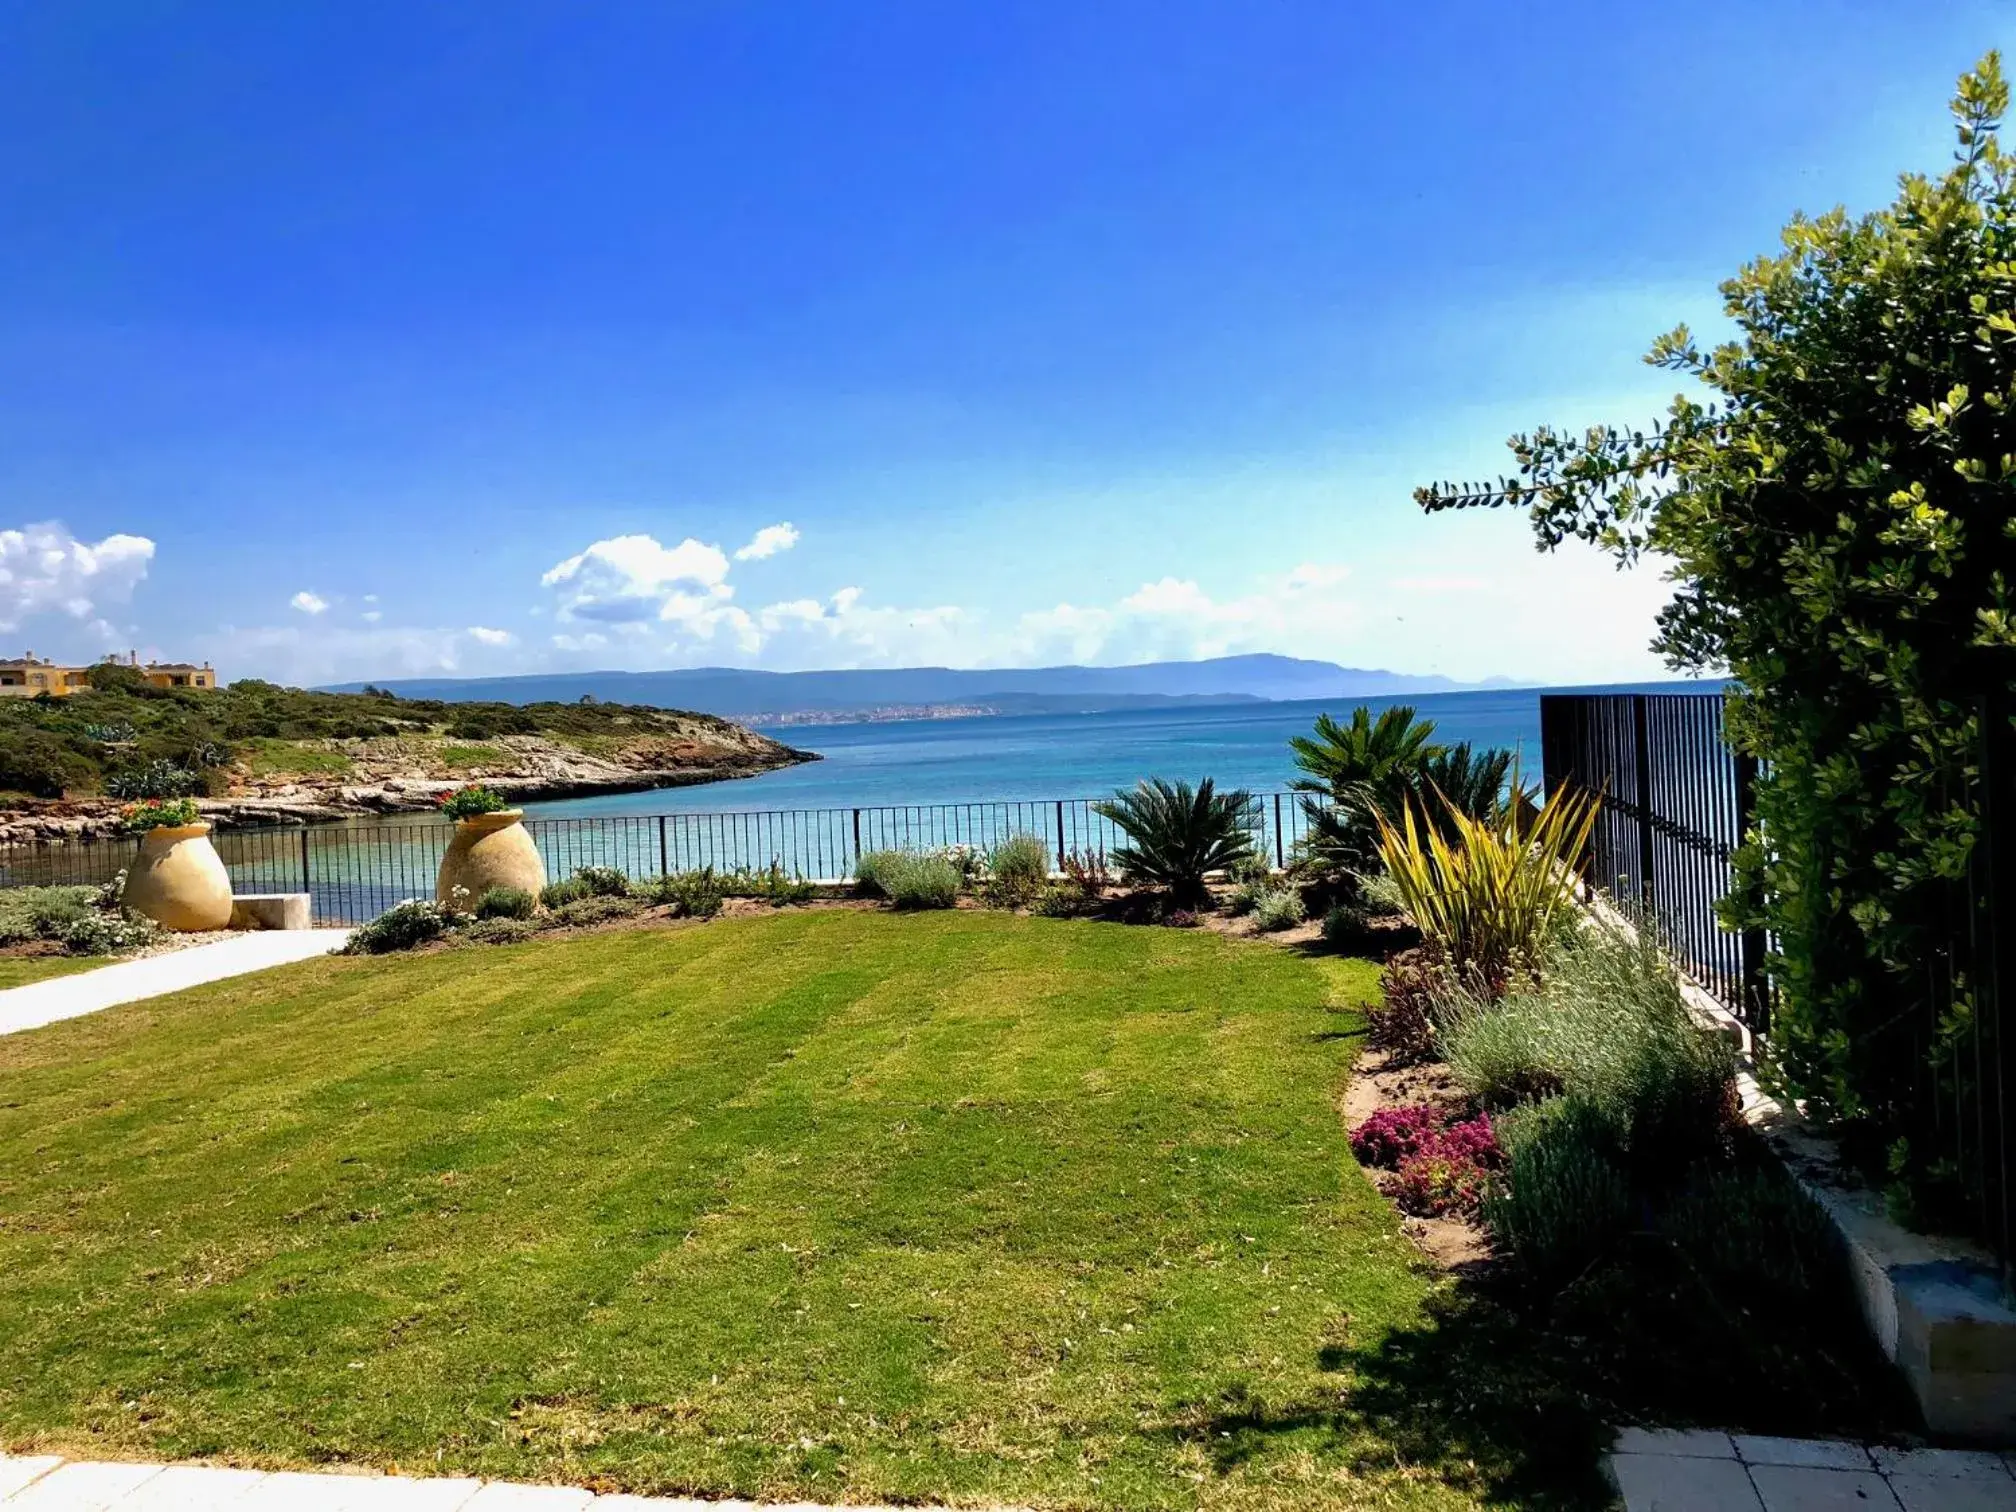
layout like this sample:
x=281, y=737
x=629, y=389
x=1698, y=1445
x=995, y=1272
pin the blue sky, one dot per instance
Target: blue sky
x=356, y=340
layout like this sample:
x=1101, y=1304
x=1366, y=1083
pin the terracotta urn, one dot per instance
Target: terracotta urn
x=178, y=881
x=489, y=850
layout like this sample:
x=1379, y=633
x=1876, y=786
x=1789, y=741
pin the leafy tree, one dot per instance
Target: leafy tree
x=1180, y=833
x=1839, y=526
x=114, y=676
x=41, y=765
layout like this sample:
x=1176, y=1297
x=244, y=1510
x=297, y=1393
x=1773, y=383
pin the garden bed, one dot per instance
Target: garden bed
x=1711, y=1294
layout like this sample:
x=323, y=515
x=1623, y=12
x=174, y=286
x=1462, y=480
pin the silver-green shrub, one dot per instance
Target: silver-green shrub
x=1018, y=868
x=506, y=903
x=1564, y=1197
x=400, y=927
x=1279, y=908
x=1606, y=1024
x=920, y=882
x=873, y=866
x=689, y=894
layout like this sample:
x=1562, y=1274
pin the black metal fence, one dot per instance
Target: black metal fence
x=1677, y=801
x=354, y=872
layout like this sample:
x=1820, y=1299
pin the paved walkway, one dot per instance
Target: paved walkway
x=1712, y=1472
x=65, y=997
x=47, y=1483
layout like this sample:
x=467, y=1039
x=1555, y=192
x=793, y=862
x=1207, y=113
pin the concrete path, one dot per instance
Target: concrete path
x=48, y=1483
x=65, y=997
x=1670, y=1471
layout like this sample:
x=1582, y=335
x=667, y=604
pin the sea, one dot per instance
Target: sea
x=1050, y=756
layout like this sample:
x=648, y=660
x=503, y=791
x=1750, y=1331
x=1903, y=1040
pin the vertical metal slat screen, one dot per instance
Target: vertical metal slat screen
x=1674, y=811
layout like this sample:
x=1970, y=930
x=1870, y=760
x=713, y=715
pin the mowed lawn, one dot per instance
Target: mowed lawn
x=828, y=1204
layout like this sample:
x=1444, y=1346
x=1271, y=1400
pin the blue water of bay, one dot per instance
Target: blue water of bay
x=1051, y=756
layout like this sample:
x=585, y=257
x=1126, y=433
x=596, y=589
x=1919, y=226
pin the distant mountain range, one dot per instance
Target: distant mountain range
x=923, y=692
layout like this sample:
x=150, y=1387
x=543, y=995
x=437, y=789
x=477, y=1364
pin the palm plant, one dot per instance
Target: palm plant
x=1179, y=834
x=1364, y=768
x=1378, y=753
x=1370, y=768
x=1471, y=782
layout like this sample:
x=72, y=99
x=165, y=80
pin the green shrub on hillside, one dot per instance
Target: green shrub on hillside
x=157, y=779
x=42, y=766
x=50, y=745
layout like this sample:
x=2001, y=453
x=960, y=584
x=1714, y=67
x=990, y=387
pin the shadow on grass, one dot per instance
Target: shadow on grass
x=1511, y=1396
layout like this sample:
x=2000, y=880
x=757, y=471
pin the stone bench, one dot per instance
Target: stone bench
x=270, y=911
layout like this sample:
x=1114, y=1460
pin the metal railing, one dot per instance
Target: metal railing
x=354, y=872
x=1676, y=802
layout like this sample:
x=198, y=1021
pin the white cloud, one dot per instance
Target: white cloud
x=768, y=541
x=45, y=569
x=309, y=603
x=328, y=652
x=1468, y=600
x=1176, y=619
x=372, y=616
x=633, y=577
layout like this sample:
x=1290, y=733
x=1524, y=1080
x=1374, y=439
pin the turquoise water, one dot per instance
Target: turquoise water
x=1047, y=756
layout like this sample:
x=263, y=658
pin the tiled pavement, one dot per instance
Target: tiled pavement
x=1668, y=1471
x=1655, y=1472
x=48, y=1483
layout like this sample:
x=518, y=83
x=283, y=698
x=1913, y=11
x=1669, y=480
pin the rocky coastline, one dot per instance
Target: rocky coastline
x=394, y=776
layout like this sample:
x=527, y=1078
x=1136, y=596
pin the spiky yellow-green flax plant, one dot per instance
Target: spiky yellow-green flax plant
x=1486, y=892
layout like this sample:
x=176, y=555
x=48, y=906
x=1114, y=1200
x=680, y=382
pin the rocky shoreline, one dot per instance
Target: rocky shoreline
x=403, y=780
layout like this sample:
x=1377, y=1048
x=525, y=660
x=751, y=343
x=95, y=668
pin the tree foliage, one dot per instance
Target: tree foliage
x=1839, y=522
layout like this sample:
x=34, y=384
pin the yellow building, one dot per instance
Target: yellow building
x=27, y=675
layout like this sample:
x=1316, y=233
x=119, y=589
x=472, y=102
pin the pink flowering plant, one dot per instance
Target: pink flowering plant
x=1440, y=1165
x=1392, y=1134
